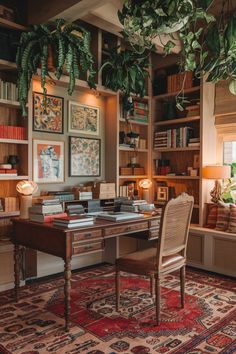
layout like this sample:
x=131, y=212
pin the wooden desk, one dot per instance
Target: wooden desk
x=65, y=243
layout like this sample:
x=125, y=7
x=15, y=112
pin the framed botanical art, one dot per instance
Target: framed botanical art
x=162, y=193
x=48, y=161
x=84, y=156
x=83, y=119
x=48, y=118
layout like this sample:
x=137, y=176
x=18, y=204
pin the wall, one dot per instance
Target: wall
x=80, y=97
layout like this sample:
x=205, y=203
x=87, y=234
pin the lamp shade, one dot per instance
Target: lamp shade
x=216, y=172
x=145, y=183
x=26, y=187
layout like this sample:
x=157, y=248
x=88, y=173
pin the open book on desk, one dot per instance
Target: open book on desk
x=119, y=216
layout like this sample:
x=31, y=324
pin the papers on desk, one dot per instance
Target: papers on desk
x=119, y=216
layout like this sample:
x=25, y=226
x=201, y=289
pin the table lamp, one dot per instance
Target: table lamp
x=217, y=173
x=26, y=189
x=145, y=184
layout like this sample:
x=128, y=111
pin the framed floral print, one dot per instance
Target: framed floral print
x=84, y=157
x=48, y=118
x=48, y=161
x=83, y=119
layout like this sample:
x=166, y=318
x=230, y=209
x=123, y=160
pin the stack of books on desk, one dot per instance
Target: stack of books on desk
x=46, y=211
x=132, y=205
x=74, y=209
x=74, y=221
x=62, y=195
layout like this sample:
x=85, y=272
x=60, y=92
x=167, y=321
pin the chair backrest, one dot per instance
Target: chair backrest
x=175, y=226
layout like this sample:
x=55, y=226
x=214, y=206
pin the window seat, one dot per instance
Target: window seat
x=212, y=250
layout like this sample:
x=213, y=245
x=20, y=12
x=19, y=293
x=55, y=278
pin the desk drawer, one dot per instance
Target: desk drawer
x=153, y=234
x=80, y=248
x=86, y=235
x=155, y=222
x=117, y=230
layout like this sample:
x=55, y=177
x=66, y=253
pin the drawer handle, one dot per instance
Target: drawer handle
x=88, y=234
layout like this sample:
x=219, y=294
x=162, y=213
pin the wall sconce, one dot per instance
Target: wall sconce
x=145, y=185
x=216, y=173
x=26, y=189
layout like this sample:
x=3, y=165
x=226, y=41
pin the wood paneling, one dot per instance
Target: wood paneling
x=224, y=255
x=195, y=248
x=225, y=102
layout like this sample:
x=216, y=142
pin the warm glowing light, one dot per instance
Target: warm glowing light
x=27, y=187
x=216, y=172
x=145, y=183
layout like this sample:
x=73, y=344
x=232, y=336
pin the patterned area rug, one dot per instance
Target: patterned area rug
x=207, y=324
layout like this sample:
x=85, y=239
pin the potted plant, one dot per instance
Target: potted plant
x=70, y=45
x=125, y=71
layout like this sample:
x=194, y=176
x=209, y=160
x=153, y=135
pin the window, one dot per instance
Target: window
x=229, y=155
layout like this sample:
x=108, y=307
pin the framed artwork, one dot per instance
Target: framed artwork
x=49, y=118
x=84, y=156
x=48, y=161
x=83, y=119
x=162, y=194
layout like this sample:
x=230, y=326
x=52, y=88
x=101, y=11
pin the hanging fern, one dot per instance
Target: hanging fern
x=71, y=49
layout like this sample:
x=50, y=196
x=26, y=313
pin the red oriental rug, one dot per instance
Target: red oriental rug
x=207, y=324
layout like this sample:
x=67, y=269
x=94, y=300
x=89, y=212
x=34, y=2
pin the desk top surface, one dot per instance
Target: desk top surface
x=98, y=223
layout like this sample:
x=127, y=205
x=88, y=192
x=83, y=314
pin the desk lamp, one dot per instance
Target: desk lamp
x=26, y=189
x=145, y=184
x=217, y=173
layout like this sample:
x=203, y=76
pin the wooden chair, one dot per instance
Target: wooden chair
x=168, y=256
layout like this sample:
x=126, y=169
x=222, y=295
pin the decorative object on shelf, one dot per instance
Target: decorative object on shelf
x=104, y=190
x=70, y=48
x=84, y=156
x=126, y=71
x=13, y=160
x=122, y=136
x=26, y=189
x=162, y=193
x=133, y=139
x=196, y=161
x=145, y=185
x=48, y=161
x=126, y=171
x=48, y=117
x=217, y=173
x=83, y=119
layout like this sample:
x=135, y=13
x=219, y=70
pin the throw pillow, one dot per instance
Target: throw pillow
x=212, y=216
x=223, y=213
x=232, y=219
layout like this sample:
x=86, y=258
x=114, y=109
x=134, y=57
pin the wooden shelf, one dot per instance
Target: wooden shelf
x=10, y=104
x=176, y=177
x=133, y=176
x=9, y=214
x=172, y=94
x=177, y=121
x=13, y=178
x=133, y=121
x=14, y=141
x=11, y=25
x=7, y=65
x=123, y=148
x=177, y=149
x=79, y=84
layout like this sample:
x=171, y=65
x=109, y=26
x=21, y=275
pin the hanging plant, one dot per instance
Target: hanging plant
x=70, y=45
x=125, y=71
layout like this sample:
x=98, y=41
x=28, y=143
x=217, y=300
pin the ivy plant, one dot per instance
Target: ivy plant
x=125, y=71
x=70, y=45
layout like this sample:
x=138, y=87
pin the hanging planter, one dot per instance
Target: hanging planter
x=69, y=45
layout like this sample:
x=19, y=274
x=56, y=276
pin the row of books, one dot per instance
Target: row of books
x=9, y=172
x=9, y=204
x=8, y=91
x=140, y=112
x=173, y=138
x=178, y=81
x=194, y=142
x=62, y=196
x=12, y=132
x=132, y=205
x=123, y=191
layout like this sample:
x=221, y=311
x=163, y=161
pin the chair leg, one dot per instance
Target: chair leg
x=158, y=299
x=117, y=290
x=152, y=280
x=182, y=285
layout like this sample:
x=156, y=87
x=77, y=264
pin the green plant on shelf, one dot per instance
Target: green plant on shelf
x=69, y=46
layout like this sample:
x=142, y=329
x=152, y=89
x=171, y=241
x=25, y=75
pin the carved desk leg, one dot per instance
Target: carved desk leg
x=17, y=258
x=67, y=288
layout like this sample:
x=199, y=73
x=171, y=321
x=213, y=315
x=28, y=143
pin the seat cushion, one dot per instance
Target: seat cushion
x=145, y=262
x=141, y=262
